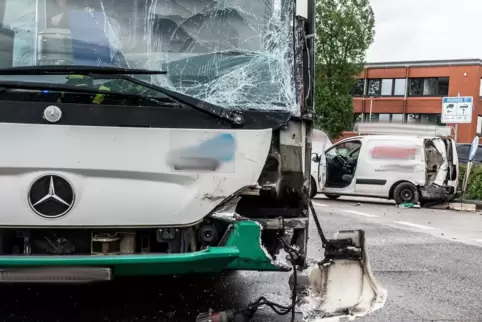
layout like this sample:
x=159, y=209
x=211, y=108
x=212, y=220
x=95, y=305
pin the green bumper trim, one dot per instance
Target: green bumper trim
x=246, y=236
x=210, y=260
x=242, y=251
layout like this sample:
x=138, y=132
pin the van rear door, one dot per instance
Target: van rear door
x=453, y=163
x=442, y=163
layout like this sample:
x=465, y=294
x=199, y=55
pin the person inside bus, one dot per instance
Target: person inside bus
x=91, y=42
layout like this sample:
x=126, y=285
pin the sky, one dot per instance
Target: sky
x=426, y=30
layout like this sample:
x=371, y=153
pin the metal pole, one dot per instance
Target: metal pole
x=457, y=124
x=371, y=107
x=35, y=44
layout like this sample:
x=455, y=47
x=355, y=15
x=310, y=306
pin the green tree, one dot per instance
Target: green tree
x=344, y=31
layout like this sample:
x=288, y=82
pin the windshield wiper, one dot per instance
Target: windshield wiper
x=76, y=69
x=233, y=116
x=9, y=85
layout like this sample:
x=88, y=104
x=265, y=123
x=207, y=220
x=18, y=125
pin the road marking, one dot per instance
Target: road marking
x=320, y=204
x=359, y=213
x=413, y=225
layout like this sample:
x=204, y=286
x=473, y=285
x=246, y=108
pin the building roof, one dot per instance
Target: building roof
x=426, y=63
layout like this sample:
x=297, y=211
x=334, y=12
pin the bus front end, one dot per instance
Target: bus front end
x=153, y=137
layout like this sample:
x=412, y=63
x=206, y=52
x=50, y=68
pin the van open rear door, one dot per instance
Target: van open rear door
x=453, y=160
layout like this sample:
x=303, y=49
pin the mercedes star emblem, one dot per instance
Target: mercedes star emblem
x=52, y=113
x=51, y=196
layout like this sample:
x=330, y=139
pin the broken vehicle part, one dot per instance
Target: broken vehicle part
x=342, y=285
x=338, y=288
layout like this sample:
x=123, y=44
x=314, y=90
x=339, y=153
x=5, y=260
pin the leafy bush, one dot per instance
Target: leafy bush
x=474, y=187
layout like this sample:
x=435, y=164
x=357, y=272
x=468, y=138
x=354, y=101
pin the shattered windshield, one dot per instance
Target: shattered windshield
x=233, y=53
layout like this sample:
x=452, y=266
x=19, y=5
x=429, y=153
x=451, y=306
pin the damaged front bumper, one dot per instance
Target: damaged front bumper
x=241, y=250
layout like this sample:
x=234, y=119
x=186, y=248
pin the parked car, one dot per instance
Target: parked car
x=463, y=150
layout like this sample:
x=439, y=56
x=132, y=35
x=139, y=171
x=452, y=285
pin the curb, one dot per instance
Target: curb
x=477, y=203
x=459, y=205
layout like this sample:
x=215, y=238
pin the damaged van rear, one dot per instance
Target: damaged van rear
x=406, y=163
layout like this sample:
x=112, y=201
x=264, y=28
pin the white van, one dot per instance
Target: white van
x=407, y=163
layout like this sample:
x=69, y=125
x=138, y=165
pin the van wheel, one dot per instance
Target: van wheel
x=332, y=197
x=313, y=191
x=406, y=192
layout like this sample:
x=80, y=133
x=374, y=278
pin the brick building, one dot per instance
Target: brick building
x=412, y=92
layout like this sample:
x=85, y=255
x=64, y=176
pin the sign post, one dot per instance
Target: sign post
x=456, y=110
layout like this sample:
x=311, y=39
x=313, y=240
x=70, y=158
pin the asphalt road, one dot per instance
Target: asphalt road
x=429, y=260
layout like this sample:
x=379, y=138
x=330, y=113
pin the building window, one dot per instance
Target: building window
x=432, y=86
x=359, y=88
x=397, y=118
x=357, y=118
x=479, y=124
x=374, y=87
x=443, y=86
x=413, y=118
x=387, y=87
x=432, y=119
x=384, y=118
x=374, y=117
x=380, y=87
x=416, y=87
x=400, y=87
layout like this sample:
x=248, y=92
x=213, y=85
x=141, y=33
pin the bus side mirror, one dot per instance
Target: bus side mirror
x=315, y=157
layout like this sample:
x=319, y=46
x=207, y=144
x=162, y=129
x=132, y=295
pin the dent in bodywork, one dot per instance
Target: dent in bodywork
x=227, y=211
x=342, y=285
x=434, y=192
x=208, y=196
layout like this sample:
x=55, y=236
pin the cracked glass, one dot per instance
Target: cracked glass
x=233, y=53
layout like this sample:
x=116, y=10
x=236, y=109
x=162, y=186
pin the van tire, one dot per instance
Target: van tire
x=406, y=192
x=332, y=197
x=314, y=189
